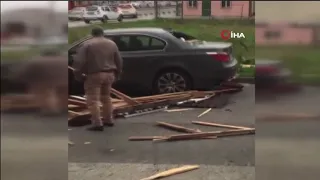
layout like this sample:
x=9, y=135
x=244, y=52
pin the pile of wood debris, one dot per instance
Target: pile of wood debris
x=125, y=106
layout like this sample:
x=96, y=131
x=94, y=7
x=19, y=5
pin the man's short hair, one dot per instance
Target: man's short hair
x=97, y=31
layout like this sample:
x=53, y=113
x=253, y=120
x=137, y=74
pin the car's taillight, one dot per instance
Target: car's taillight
x=219, y=56
x=267, y=69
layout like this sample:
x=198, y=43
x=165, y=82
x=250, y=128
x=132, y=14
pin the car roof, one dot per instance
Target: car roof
x=146, y=30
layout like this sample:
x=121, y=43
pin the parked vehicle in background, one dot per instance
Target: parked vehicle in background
x=164, y=3
x=271, y=74
x=102, y=13
x=127, y=10
x=147, y=4
x=155, y=60
x=136, y=4
x=76, y=13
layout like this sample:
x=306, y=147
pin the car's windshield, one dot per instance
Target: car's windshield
x=92, y=8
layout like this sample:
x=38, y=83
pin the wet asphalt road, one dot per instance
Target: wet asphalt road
x=36, y=147
x=287, y=147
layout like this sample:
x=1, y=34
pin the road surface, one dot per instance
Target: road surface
x=110, y=154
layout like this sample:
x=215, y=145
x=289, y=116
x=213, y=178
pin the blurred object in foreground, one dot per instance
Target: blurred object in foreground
x=291, y=37
x=34, y=65
x=287, y=106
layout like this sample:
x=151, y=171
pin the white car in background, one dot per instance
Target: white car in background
x=164, y=3
x=76, y=13
x=137, y=4
x=127, y=10
x=101, y=13
x=147, y=4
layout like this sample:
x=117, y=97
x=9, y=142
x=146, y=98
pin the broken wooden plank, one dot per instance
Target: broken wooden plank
x=178, y=110
x=177, y=127
x=77, y=102
x=219, y=125
x=173, y=171
x=145, y=138
x=158, y=138
x=208, y=134
x=124, y=97
x=205, y=112
x=73, y=113
x=78, y=98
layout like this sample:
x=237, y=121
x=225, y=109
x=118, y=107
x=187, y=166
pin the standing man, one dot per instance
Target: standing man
x=99, y=59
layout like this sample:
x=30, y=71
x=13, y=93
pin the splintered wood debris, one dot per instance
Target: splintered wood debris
x=124, y=106
x=172, y=172
x=191, y=134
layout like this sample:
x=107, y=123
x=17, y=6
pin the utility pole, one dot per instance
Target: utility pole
x=156, y=9
x=181, y=6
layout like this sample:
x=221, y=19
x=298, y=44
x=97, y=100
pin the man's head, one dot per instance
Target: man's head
x=97, y=32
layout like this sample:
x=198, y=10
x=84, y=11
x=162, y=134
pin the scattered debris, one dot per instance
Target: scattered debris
x=144, y=112
x=177, y=128
x=195, y=133
x=70, y=143
x=173, y=171
x=87, y=142
x=205, y=112
x=179, y=110
x=218, y=125
x=125, y=106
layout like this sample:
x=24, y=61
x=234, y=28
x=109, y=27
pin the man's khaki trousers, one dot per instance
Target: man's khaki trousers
x=98, y=89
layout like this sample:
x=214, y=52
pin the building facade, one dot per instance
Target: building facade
x=79, y=3
x=290, y=23
x=219, y=9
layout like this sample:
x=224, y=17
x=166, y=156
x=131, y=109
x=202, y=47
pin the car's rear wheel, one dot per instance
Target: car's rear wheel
x=104, y=19
x=87, y=21
x=172, y=81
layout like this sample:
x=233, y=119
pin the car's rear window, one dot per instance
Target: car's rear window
x=180, y=35
x=92, y=8
x=125, y=6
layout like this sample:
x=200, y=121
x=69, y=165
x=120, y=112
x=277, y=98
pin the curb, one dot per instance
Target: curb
x=248, y=80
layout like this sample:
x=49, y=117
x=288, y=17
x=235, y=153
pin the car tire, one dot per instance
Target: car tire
x=182, y=80
x=87, y=21
x=104, y=19
x=135, y=16
x=120, y=18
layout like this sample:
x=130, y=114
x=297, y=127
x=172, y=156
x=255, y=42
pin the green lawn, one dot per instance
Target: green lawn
x=208, y=30
x=22, y=54
x=304, y=61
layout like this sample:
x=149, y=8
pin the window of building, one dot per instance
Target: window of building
x=138, y=43
x=225, y=3
x=272, y=34
x=193, y=3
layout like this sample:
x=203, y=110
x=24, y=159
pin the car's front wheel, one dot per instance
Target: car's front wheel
x=87, y=21
x=172, y=81
x=104, y=19
x=120, y=18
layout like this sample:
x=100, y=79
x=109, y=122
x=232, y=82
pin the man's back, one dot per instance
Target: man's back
x=102, y=55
